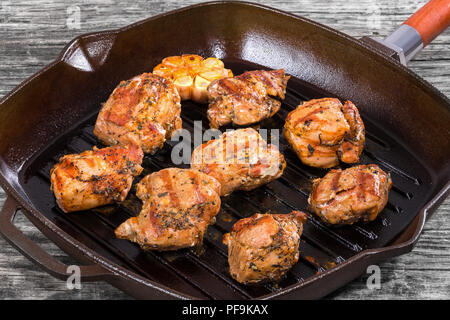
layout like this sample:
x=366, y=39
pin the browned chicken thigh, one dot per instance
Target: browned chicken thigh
x=323, y=131
x=247, y=98
x=95, y=177
x=264, y=247
x=144, y=110
x=239, y=160
x=347, y=196
x=179, y=204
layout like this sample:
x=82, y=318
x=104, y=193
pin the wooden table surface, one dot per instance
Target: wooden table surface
x=32, y=33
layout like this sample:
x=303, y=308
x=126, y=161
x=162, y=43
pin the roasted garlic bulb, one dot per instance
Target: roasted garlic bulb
x=192, y=74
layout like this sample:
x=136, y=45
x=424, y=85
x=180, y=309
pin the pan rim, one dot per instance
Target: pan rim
x=124, y=272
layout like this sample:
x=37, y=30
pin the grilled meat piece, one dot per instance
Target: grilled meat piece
x=247, y=98
x=179, y=204
x=239, y=160
x=346, y=196
x=264, y=247
x=323, y=131
x=95, y=177
x=144, y=110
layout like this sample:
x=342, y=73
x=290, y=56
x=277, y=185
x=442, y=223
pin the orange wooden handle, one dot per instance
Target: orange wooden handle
x=430, y=20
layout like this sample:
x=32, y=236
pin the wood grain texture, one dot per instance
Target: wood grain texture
x=32, y=34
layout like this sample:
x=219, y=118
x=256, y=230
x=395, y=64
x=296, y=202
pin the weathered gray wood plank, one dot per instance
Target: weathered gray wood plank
x=33, y=33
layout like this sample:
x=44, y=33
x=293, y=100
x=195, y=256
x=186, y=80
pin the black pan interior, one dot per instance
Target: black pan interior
x=203, y=272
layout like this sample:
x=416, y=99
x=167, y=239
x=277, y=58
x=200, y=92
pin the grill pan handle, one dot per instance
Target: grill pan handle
x=431, y=20
x=36, y=254
x=419, y=30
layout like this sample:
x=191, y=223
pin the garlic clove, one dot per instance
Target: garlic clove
x=184, y=86
x=199, y=92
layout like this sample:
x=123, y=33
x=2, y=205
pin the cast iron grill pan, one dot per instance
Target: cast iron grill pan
x=203, y=272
